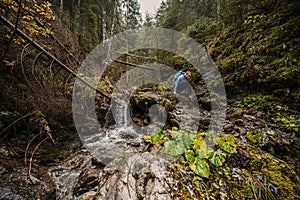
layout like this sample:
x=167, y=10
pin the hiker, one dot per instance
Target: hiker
x=180, y=72
x=182, y=85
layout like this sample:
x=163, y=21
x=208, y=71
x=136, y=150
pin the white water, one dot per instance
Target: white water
x=121, y=115
x=105, y=146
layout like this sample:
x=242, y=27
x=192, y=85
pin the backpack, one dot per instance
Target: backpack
x=180, y=72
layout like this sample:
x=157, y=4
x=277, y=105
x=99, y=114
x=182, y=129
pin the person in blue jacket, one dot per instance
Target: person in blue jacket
x=182, y=84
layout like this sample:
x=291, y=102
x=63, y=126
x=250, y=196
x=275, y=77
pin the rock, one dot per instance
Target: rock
x=89, y=195
x=240, y=130
x=86, y=181
x=249, y=117
x=229, y=128
x=239, y=122
x=205, y=103
x=7, y=194
x=138, y=177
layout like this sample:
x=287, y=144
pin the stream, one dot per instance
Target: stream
x=116, y=163
x=113, y=164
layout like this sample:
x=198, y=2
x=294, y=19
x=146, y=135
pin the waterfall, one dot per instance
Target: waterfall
x=121, y=115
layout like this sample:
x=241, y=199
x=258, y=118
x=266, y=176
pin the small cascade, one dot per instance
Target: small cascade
x=121, y=115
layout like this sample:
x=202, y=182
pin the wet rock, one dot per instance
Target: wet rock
x=239, y=122
x=229, y=128
x=87, y=181
x=89, y=195
x=66, y=174
x=7, y=194
x=239, y=130
x=137, y=177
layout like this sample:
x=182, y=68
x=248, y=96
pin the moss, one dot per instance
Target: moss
x=276, y=172
x=168, y=104
x=270, y=43
x=254, y=136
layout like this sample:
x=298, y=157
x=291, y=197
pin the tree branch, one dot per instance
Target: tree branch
x=133, y=65
x=14, y=31
x=37, y=46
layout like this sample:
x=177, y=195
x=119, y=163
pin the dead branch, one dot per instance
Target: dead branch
x=49, y=55
x=22, y=65
x=47, y=129
x=33, y=69
x=50, y=69
x=140, y=57
x=15, y=122
x=31, y=158
x=26, y=150
x=133, y=65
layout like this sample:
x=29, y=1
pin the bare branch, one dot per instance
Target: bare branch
x=31, y=158
x=141, y=57
x=14, y=123
x=33, y=69
x=37, y=46
x=14, y=31
x=133, y=65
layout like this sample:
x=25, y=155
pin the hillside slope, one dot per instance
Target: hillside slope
x=261, y=54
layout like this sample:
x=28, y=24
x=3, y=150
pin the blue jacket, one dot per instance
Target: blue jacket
x=177, y=82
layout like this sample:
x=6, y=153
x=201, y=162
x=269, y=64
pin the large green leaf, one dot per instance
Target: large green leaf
x=200, y=146
x=227, y=145
x=156, y=137
x=218, y=158
x=175, y=133
x=202, y=152
x=189, y=155
x=174, y=148
x=210, y=152
x=200, y=167
x=199, y=143
x=186, y=139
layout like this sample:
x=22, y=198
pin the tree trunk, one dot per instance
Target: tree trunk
x=112, y=30
x=218, y=10
x=61, y=8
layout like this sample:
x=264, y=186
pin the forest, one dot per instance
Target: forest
x=89, y=107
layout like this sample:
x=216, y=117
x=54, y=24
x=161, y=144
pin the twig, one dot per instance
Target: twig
x=133, y=65
x=138, y=56
x=22, y=65
x=50, y=69
x=15, y=122
x=31, y=158
x=67, y=80
x=33, y=69
x=51, y=56
x=27, y=148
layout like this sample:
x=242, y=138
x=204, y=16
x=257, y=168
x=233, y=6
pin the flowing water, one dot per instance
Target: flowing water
x=105, y=146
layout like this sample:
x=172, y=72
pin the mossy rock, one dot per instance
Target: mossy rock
x=276, y=171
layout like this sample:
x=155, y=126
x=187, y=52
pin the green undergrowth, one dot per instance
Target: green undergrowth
x=262, y=53
x=270, y=110
x=6, y=117
x=226, y=171
x=193, y=148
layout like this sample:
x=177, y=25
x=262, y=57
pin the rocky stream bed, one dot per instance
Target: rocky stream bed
x=127, y=167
